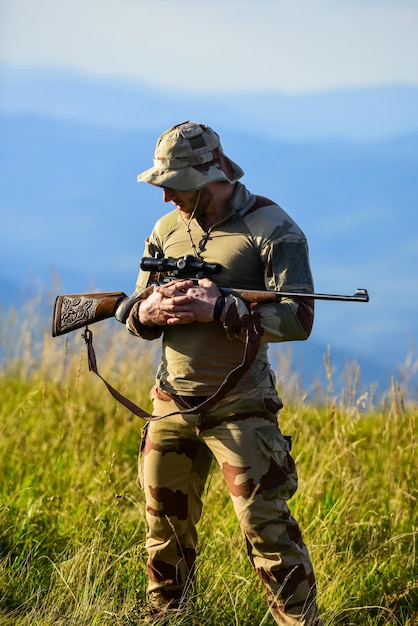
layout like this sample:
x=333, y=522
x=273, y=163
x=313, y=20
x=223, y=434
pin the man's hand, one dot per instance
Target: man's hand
x=179, y=302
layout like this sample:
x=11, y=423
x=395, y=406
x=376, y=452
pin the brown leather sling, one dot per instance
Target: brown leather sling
x=253, y=334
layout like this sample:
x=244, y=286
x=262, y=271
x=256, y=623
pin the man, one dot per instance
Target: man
x=258, y=246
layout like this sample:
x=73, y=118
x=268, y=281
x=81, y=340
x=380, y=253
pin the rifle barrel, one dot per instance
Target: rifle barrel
x=361, y=295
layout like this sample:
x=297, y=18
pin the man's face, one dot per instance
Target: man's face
x=188, y=201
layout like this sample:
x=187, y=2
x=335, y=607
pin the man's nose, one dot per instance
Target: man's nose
x=168, y=195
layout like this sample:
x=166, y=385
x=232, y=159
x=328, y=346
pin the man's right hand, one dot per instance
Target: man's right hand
x=169, y=304
x=178, y=302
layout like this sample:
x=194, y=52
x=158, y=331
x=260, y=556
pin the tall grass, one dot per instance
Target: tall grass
x=72, y=517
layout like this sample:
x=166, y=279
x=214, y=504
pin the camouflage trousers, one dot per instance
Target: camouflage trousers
x=242, y=435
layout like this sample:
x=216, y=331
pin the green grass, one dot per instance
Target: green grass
x=72, y=517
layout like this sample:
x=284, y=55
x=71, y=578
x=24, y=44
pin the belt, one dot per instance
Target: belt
x=190, y=400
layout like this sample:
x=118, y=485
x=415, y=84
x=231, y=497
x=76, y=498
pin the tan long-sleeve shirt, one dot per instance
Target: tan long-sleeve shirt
x=258, y=246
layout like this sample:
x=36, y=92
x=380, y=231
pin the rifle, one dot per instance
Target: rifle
x=73, y=311
x=78, y=310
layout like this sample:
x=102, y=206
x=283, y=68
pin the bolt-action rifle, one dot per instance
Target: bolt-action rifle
x=78, y=310
x=75, y=311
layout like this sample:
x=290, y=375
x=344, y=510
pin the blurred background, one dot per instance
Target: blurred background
x=318, y=102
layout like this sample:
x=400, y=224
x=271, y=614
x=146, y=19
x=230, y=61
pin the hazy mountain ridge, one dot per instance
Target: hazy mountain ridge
x=362, y=113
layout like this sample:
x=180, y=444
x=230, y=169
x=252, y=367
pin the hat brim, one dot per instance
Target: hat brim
x=188, y=178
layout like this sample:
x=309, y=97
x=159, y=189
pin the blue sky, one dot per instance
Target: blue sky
x=291, y=46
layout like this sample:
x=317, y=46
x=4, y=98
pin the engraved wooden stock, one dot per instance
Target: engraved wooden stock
x=77, y=310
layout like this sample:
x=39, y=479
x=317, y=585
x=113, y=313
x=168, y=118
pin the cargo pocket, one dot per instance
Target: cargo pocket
x=281, y=478
x=140, y=478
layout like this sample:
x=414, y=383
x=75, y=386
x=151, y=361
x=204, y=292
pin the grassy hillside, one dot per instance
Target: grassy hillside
x=72, y=520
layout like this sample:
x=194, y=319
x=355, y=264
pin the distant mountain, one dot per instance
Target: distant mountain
x=362, y=113
x=73, y=215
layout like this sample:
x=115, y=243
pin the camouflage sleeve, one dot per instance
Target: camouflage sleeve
x=285, y=258
x=144, y=280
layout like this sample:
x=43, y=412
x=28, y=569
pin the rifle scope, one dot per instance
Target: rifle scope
x=179, y=267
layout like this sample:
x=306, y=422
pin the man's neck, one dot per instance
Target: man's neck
x=217, y=206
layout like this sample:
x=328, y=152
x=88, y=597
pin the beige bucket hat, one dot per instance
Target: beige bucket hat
x=188, y=157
